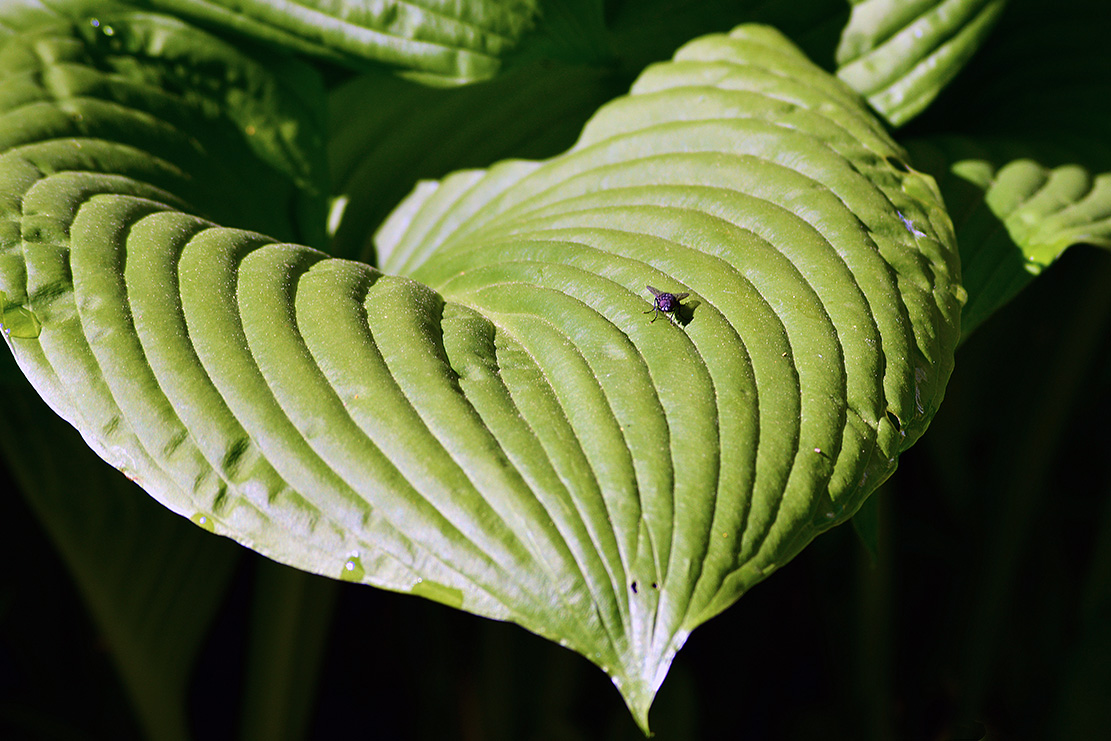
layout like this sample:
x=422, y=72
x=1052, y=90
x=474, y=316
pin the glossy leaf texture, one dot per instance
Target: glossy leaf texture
x=502, y=429
x=444, y=43
x=900, y=55
x=1030, y=175
x=441, y=40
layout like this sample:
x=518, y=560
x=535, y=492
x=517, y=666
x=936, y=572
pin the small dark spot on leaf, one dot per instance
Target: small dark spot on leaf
x=233, y=456
x=633, y=586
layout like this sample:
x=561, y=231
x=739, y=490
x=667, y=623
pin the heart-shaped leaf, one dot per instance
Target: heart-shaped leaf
x=506, y=430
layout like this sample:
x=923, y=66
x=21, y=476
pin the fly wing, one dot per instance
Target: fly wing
x=655, y=291
x=679, y=296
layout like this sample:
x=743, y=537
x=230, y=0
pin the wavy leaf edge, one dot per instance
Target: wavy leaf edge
x=508, y=432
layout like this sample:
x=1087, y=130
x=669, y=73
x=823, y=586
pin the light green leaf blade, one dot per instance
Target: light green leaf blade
x=512, y=435
x=244, y=155
x=900, y=54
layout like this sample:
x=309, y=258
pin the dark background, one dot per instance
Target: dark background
x=985, y=613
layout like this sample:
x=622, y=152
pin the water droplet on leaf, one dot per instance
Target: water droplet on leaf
x=352, y=570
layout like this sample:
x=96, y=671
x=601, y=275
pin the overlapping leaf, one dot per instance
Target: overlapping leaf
x=900, y=55
x=506, y=431
x=647, y=31
x=1030, y=174
x=441, y=42
x=451, y=41
x=1017, y=211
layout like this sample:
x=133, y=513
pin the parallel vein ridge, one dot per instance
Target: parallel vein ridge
x=493, y=422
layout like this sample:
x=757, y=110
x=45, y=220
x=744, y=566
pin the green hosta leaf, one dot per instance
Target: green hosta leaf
x=900, y=54
x=448, y=41
x=505, y=430
x=1032, y=175
x=441, y=42
x=1015, y=212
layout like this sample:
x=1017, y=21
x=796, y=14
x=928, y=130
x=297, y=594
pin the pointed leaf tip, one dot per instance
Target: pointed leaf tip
x=504, y=429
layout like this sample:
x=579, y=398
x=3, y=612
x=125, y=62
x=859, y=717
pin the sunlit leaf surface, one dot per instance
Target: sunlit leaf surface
x=901, y=54
x=494, y=422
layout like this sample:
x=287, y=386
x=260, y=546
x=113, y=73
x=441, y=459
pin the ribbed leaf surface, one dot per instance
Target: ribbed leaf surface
x=440, y=41
x=901, y=54
x=505, y=429
x=450, y=40
x=1018, y=215
x=1031, y=174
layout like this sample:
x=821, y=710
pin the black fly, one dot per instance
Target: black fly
x=666, y=303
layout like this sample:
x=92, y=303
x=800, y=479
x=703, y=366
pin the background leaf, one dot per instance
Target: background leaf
x=900, y=55
x=1030, y=174
x=387, y=133
x=647, y=31
x=290, y=620
x=448, y=41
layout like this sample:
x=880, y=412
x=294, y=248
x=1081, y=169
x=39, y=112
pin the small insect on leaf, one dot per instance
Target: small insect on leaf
x=666, y=303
